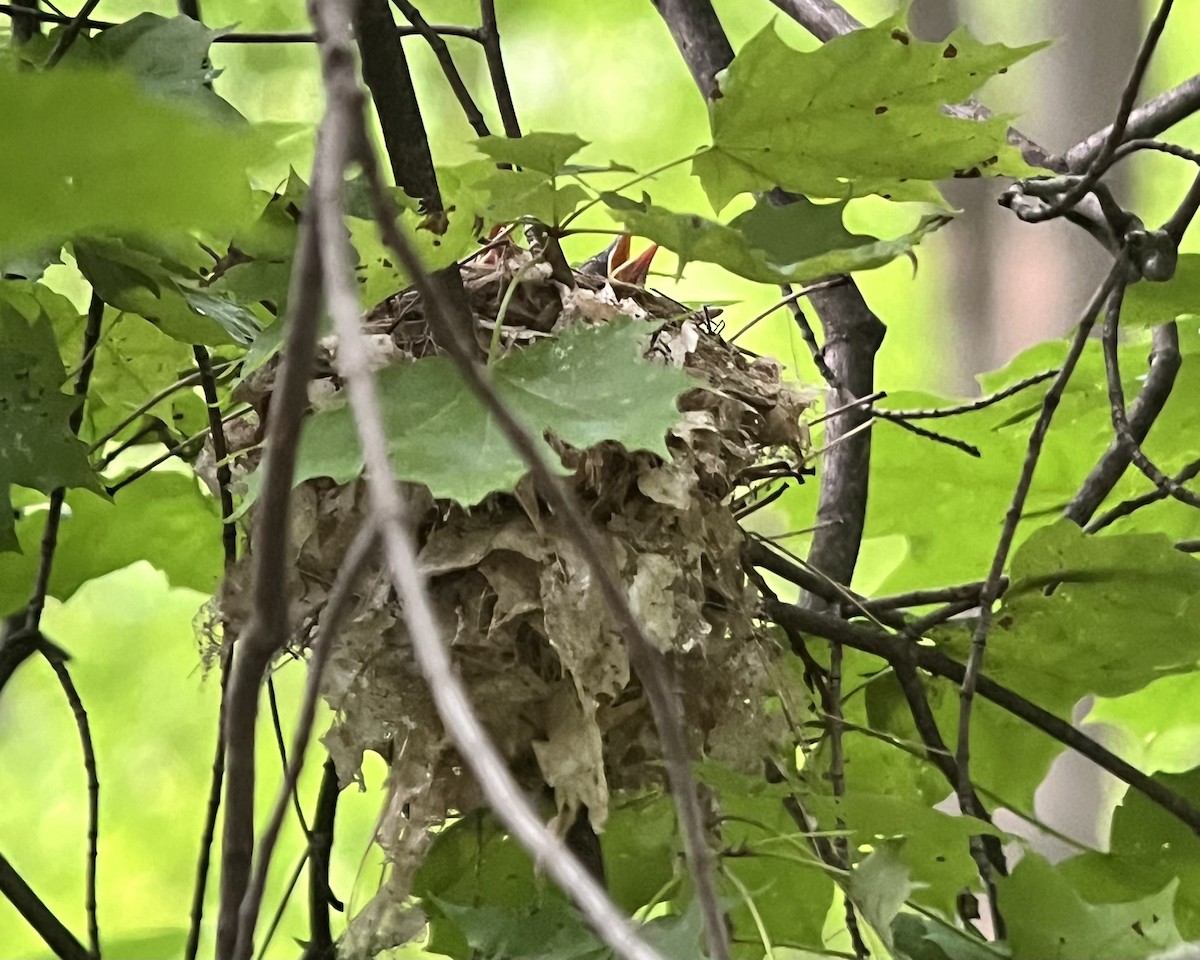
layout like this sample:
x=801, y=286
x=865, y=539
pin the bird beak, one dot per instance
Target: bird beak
x=636, y=270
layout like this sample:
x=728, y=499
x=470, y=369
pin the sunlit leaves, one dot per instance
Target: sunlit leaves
x=1149, y=847
x=792, y=244
x=163, y=519
x=1103, y=615
x=1047, y=918
x=587, y=385
x=862, y=114
x=134, y=362
x=111, y=159
x=544, y=152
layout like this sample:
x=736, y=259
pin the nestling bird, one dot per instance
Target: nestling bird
x=613, y=262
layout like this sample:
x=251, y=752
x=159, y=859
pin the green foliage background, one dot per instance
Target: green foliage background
x=610, y=75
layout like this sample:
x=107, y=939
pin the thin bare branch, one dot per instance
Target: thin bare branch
x=1116, y=134
x=824, y=20
x=58, y=664
x=901, y=650
x=991, y=587
x=1125, y=436
x=357, y=554
x=320, y=940
x=937, y=413
x=216, y=432
x=1126, y=507
x=268, y=629
x=889, y=417
x=1148, y=120
x=71, y=31
x=30, y=906
x=790, y=296
x=21, y=15
x=489, y=36
x=1165, y=361
x=446, y=60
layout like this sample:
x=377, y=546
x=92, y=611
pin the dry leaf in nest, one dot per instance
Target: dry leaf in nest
x=539, y=652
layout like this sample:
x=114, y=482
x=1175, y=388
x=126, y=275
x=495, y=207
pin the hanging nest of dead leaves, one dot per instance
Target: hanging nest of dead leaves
x=530, y=634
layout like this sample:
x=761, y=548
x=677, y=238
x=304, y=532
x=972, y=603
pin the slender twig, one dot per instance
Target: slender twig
x=1101, y=160
x=211, y=810
x=166, y=455
x=268, y=628
x=72, y=30
x=991, y=587
x=1165, y=361
x=790, y=296
x=59, y=665
x=937, y=413
x=1126, y=507
x=1148, y=120
x=924, y=598
x=489, y=37
x=45, y=924
x=344, y=114
x=320, y=939
x=860, y=403
x=260, y=37
x=280, y=908
x=281, y=747
x=937, y=753
x=216, y=429
x=760, y=552
x=822, y=19
x=922, y=625
x=191, y=380
x=340, y=597
x=52, y=654
x=809, y=336
x=889, y=417
x=386, y=72
x=898, y=649
x=1116, y=404
x=837, y=782
x=1181, y=219
x=446, y=60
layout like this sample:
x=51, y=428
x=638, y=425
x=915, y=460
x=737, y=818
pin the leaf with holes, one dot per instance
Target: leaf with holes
x=38, y=450
x=588, y=385
x=820, y=124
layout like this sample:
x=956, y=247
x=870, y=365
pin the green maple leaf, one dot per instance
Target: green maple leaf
x=588, y=385
x=796, y=243
x=818, y=123
x=39, y=449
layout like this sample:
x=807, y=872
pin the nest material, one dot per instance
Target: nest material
x=539, y=652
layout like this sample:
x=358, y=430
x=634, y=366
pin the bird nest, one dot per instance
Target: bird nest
x=542, y=658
